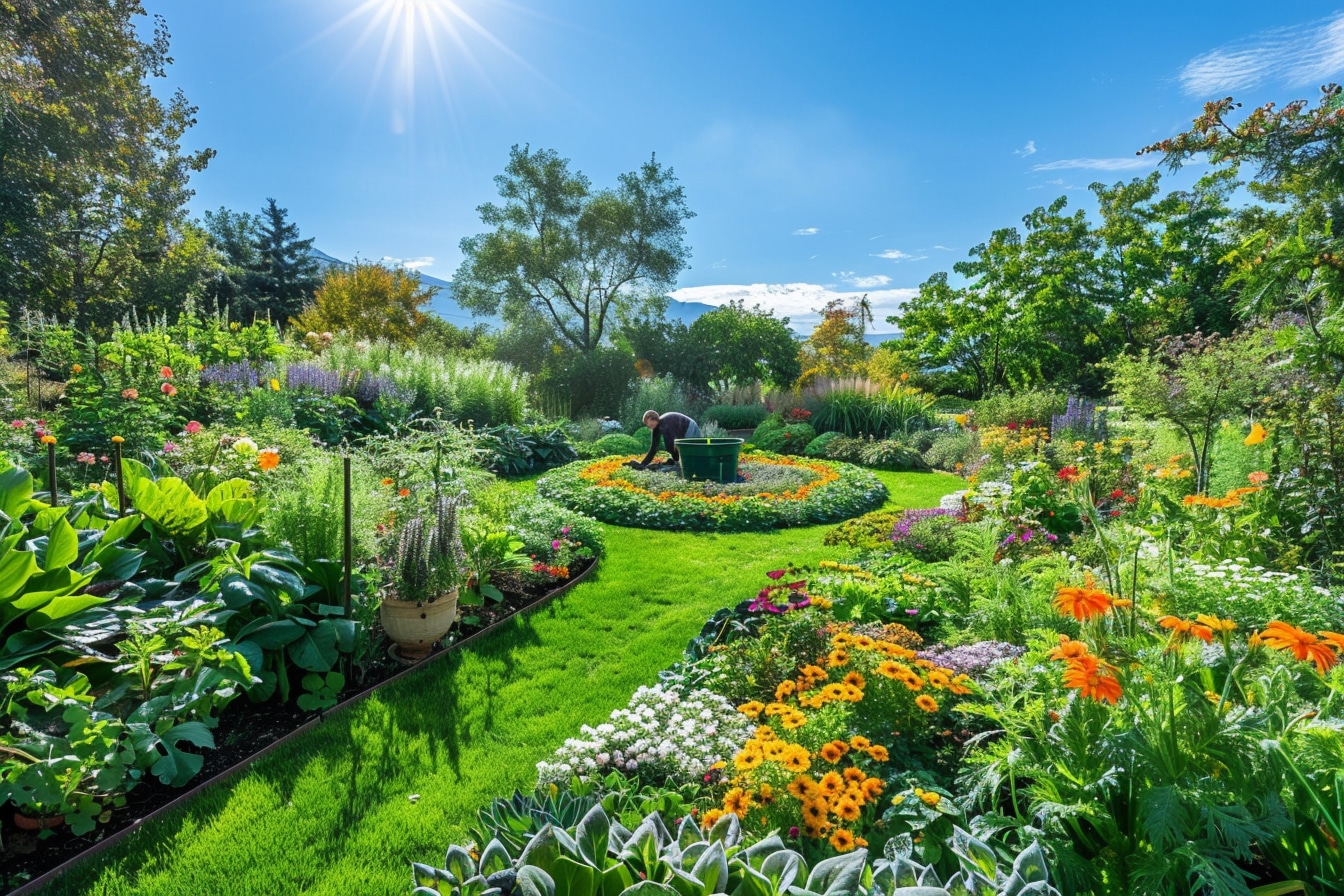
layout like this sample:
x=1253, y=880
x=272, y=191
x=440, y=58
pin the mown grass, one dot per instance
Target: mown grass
x=332, y=812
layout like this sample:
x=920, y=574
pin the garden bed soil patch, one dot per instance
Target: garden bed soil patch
x=246, y=732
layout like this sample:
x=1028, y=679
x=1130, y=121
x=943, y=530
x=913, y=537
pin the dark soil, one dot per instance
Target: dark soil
x=244, y=730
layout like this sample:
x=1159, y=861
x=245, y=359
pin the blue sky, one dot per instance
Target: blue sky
x=827, y=148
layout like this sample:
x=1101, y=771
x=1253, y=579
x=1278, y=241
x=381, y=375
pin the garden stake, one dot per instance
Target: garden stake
x=349, y=548
x=51, y=472
x=121, y=482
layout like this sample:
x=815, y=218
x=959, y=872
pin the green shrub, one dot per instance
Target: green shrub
x=949, y=449
x=780, y=438
x=1033, y=407
x=661, y=394
x=890, y=454
x=617, y=443
x=870, y=532
x=817, y=447
x=737, y=416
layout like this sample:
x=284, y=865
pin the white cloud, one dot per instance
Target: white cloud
x=898, y=255
x=943, y=248
x=1296, y=56
x=413, y=264
x=800, y=302
x=721, y=263
x=1124, y=164
x=868, y=282
x=1028, y=150
x=805, y=231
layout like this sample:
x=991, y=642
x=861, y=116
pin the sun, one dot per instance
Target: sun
x=411, y=46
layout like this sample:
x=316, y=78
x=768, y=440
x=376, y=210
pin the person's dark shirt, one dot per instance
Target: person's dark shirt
x=671, y=426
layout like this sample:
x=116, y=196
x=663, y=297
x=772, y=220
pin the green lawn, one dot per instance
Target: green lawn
x=332, y=811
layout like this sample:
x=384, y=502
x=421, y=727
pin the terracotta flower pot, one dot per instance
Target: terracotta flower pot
x=415, y=626
x=37, y=822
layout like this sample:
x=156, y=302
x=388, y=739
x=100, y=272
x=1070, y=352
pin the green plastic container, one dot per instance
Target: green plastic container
x=714, y=459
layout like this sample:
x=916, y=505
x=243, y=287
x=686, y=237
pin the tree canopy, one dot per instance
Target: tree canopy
x=368, y=301
x=578, y=256
x=93, y=180
x=746, y=345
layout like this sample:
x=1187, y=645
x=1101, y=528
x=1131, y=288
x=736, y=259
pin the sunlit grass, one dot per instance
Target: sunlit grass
x=333, y=812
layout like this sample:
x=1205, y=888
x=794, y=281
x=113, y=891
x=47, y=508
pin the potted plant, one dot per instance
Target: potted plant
x=420, y=603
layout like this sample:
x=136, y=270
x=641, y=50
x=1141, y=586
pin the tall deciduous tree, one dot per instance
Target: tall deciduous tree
x=368, y=301
x=575, y=255
x=836, y=347
x=93, y=181
x=746, y=346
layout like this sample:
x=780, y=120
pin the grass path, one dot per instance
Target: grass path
x=331, y=813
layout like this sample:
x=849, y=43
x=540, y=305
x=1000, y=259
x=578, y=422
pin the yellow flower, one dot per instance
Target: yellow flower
x=928, y=797
x=842, y=840
x=48, y=440
x=709, y=818
x=1257, y=435
x=748, y=760
x=275, y=385
x=926, y=703
x=737, y=801
x=751, y=709
x=117, y=440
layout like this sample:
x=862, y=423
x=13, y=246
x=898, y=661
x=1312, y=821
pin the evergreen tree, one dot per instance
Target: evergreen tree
x=286, y=275
x=233, y=235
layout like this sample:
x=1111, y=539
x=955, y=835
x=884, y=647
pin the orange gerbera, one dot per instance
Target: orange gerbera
x=854, y=679
x=878, y=752
x=1214, y=624
x=1092, y=678
x=853, y=775
x=1082, y=603
x=737, y=801
x=268, y=458
x=785, y=689
x=802, y=787
x=873, y=787
x=831, y=783
x=859, y=742
x=837, y=657
x=1303, y=645
x=848, y=810
x=1069, y=648
x=926, y=703
x=832, y=753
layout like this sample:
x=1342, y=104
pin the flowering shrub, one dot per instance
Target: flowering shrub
x=1251, y=595
x=815, y=761
x=662, y=734
x=972, y=659
x=808, y=491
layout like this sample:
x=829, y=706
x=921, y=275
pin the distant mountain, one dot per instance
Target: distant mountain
x=445, y=305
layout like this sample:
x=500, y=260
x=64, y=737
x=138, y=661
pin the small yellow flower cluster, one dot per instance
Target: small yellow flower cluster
x=1173, y=469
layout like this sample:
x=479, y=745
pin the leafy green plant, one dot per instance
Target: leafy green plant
x=737, y=416
x=488, y=553
x=321, y=691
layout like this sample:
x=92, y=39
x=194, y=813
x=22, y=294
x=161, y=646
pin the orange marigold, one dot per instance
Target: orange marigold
x=1092, y=678
x=1303, y=645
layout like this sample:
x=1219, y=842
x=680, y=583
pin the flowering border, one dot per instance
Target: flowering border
x=840, y=492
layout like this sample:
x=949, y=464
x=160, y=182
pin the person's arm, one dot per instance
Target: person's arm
x=653, y=447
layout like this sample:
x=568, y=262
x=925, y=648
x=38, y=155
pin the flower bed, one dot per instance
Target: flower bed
x=773, y=492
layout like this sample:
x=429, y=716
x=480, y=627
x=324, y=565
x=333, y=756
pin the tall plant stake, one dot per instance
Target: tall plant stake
x=121, y=479
x=51, y=471
x=349, y=548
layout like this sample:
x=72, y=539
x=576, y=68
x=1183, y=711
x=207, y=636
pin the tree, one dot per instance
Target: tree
x=368, y=301
x=286, y=274
x=576, y=256
x=668, y=347
x=747, y=346
x=93, y=182
x=233, y=235
x=1193, y=382
x=836, y=347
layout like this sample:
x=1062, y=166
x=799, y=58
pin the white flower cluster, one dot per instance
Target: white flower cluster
x=1236, y=575
x=661, y=734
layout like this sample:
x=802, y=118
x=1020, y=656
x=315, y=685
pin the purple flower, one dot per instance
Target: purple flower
x=912, y=612
x=1026, y=536
x=793, y=833
x=1050, y=536
x=555, y=545
x=776, y=574
x=564, y=530
x=971, y=659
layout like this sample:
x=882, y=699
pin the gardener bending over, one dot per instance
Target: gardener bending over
x=671, y=426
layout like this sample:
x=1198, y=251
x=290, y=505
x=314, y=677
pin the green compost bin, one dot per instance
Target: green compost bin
x=714, y=459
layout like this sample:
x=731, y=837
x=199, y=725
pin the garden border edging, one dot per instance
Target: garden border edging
x=101, y=846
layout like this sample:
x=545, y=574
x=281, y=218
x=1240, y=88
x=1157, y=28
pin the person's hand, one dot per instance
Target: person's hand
x=634, y=465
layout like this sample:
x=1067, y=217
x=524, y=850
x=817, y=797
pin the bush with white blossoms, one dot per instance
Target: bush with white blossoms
x=662, y=734
x=1250, y=595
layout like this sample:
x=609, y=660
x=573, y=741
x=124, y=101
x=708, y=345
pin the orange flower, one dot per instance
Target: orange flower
x=387, y=481
x=77, y=368
x=404, y=493
x=1259, y=477
x=926, y=703
x=1257, y=435
x=166, y=372
x=854, y=679
x=785, y=689
x=1068, y=648
x=268, y=458
x=1082, y=603
x=859, y=742
x=1092, y=678
x=832, y=753
x=1303, y=645
x=1214, y=623
x=842, y=840
x=751, y=709
x=48, y=440
x=878, y=753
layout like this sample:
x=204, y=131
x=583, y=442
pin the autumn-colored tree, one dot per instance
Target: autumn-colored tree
x=368, y=301
x=836, y=347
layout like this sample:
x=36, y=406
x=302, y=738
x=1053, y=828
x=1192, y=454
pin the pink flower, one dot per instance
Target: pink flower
x=130, y=394
x=84, y=457
x=166, y=372
x=168, y=389
x=19, y=424
x=169, y=447
x=104, y=459
x=775, y=574
x=193, y=427
x=564, y=530
x=555, y=545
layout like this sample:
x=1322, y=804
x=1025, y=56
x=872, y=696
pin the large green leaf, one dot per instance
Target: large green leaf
x=234, y=501
x=532, y=881
x=16, y=491
x=170, y=504
x=712, y=868
x=494, y=858
x=175, y=768
x=62, y=545
x=118, y=564
x=238, y=593
x=839, y=875
x=16, y=568
x=573, y=878
x=593, y=835
x=270, y=634
x=315, y=649
x=59, y=609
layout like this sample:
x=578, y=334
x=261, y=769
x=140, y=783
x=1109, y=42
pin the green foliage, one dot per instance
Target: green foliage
x=949, y=449
x=616, y=443
x=661, y=394
x=597, y=382
x=777, y=437
x=817, y=447
x=518, y=450
x=1028, y=407
x=747, y=346
x=578, y=257
x=737, y=416
x=286, y=274
x=870, y=532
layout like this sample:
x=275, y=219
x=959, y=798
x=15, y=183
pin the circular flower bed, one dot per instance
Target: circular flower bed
x=772, y=492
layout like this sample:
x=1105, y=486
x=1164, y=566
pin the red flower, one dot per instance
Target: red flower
x=166, y=372
x=1069, y=474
